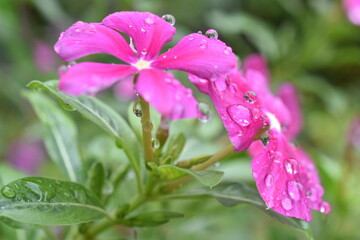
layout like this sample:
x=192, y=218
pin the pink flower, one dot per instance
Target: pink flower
x=196, y=54
x=352, y=8
x=44, y=57
x=284, y=174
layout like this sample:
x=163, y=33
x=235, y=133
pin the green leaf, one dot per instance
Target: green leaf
x=231, y=194
x=174, y=147
x=96, y=178
x=152, y=219
x=16, y=224
x=101, y=114
x=59, y=134
x=44, y=201
x=209, y=178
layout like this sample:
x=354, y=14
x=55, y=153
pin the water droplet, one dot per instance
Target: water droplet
x=292, y=166
x=293, y=189
x=191, y=37
x=250, y=96
x=63, y=68
x=164, y=56
x=220, y=85
x=199, y=32
x=148, y=126
x=155, y=143
x=175, y=57
x=308, y=194
x=212, y=33
x=233, y=88
x=275, y=156
x=269, y=180
x=286, y=203
x=204, y=111
x=150, y=19
x=240, y=114
x=325, y=208
x=8, y=192
x=91, y=28
x=137, y=109
x=130, y=26
x=265, y=138
x=227, y=50
x=144, y=51
x=77, y=29
x=143, y=29
x=169, y=18
x=203, y=44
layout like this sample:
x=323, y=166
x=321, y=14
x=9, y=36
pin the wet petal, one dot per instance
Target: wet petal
x=288, y=94
x=201, y=84
x=204, y=57
x=256, y=62
x=166, y=94
x=148, y=31
x=242, y=117
x=89, y=77
x=83, y=39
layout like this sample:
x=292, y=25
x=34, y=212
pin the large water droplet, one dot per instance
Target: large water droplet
x=275, y=156
x=144, y=51
x=294, y=190
x=150, y=19
x=286, y=203
x=204, y=111
x=250, y=96
x=155, y=143
x=212, y=33
x=203, y=44
x=292, y=166
x=269, y=180
x=8, y=192
x=240, y=114
x=169, y=18
x=137, y=109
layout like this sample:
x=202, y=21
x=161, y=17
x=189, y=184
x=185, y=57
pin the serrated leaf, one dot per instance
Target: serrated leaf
x=209, y=177
x=99, y=113
x=152, y=219
x=44, y=201
x=60, y=135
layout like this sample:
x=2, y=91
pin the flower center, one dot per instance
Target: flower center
x=274, y=122
x=142, y=64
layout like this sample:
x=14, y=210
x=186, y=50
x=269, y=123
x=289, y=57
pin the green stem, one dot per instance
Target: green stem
x=100, y=228
x=146, y=131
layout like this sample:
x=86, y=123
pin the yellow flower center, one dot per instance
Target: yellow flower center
x=142, y=64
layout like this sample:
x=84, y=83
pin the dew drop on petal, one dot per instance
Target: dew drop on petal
x=199, y=32
x=240, y=114
x=292, y=166
x=130, y=26
x=227, y=50
x=169, y=18
x=191, y=37
x=325, y=207
x=233, y=88
x=143, y=29
x=269, y=180
x=212, y=33
x=150, y=19
x=137, y=109
x=286, y=203
x=155, y=143
x=144, y=51
x=250, y=96
x=204, y=111
x=293, y=189
x=203, y=44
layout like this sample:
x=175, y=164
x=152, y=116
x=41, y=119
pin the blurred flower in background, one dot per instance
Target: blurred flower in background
x=44, y=57
x=352, y=8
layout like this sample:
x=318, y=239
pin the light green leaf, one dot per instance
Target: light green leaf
x=152, y=219
x=59, y=134
x=209, y=178
x=96, y=178
x=45, y=201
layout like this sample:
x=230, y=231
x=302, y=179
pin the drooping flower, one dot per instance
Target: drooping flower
x=352, y=8
x=196, y=54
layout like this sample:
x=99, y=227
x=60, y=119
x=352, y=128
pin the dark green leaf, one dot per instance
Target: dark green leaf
x=45, y=201
x=174, y=147
x=59, y=134
x=152, y=219
x=209, y=178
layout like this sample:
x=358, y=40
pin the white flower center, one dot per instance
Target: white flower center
x=274, y=122
x=142, y=64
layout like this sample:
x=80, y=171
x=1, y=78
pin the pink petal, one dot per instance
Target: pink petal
x=148, y=31
x=196, y=54
x=201, y=84
x=89, y=77
x=124, y=89
x=256, y=62
x=352, y=8
x=288, y=94
x=239, y=109
x=166, y=94
x=286, y=180
x=83, y=39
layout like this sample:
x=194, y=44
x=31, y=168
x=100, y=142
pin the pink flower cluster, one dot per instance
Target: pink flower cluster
x=285, y=176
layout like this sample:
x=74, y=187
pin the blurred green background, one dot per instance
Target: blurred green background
x=306, y=42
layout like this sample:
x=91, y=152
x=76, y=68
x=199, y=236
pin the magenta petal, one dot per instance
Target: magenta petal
x=196, y=54
x=89, y=77
x=238, y=108
x=148, y=31
x=287, y=92
x=201, y=84
x=256, y=62
x=352, y=8
x=166, y=94
x=83, y=39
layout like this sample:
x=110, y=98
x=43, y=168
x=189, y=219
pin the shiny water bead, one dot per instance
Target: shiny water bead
x=150, y=19
x=203, y=44
x=155, y=143
x=212, y=33
x=292, y=166
x=137, y=109
x=269, y=180
x=240, y=114
x=294, y=190
x=8, y=192
x=250, y=96
x=169, y=18
x=287, y=204
x=204, y=111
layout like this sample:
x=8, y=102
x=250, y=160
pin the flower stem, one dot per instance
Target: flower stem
x=146, y=130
